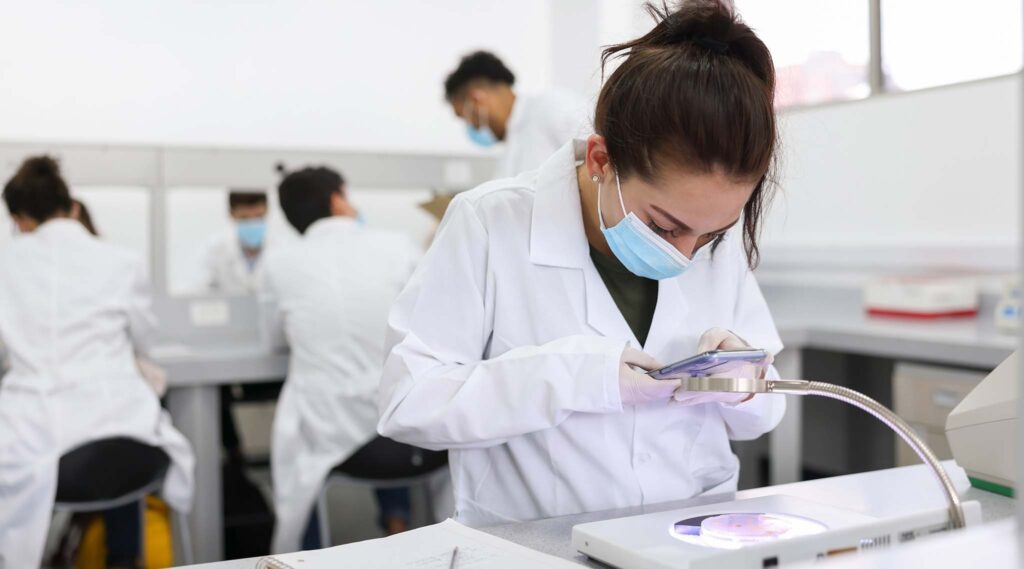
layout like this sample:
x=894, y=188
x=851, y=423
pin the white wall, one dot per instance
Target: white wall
x=306, y=73
x=929, y=178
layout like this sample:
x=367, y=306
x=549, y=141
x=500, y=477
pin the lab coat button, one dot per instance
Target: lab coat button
x=643, y=457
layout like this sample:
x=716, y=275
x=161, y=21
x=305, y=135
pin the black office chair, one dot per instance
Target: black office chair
x=110, y=473
x=381, y=464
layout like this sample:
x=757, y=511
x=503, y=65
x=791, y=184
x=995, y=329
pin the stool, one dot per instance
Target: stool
x=382, y=464
x=110, y=473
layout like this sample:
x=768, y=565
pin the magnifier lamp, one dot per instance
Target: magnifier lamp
x=720, y=384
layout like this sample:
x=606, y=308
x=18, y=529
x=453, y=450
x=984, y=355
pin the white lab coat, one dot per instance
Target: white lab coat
x=72, y=311
x=505, y=348
x=537, y=127
x=226, y=269
x=329, y=293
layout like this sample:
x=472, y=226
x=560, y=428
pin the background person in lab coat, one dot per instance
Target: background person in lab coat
x=531, y=126
x=73, y=310
x=329, y=293
x=517, y=341
x=231, y=261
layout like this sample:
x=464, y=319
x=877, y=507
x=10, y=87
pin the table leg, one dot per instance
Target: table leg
x=786, y=441
x=196, y=413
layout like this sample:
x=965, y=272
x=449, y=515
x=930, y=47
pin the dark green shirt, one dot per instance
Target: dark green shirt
x=635, y=296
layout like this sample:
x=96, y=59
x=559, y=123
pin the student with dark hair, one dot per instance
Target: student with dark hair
x=231, y=262
x=327, y=296
x=480, y=92
x=521, y=342
x=73, y=310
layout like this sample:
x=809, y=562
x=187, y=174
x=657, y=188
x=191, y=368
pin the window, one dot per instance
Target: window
x=821, y=49
x=937, y=42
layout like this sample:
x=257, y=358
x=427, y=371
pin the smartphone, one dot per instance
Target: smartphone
x=710, y=363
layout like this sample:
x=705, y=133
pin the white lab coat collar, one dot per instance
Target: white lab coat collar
x=61, y=226
x=557, y=235
x=331, y=226
x=557, y=238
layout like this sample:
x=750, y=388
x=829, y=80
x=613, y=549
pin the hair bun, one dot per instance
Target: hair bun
x=41, y=166
x=707, y=23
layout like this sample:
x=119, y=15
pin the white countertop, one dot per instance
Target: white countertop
x=835, y=320
x=220, y=364
x=880, y=493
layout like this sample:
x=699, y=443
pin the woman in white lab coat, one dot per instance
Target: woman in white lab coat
x=514, y=344
x=73, y=309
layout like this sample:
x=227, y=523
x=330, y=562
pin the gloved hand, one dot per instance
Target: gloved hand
x=722, y=339
x=636, y=387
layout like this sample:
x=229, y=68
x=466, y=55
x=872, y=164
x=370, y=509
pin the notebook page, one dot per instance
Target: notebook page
x=429, y=547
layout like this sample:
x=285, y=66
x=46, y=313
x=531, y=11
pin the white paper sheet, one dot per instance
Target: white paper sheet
x=429, y=547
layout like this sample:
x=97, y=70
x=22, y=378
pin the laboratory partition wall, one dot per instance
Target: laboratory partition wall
x=165, y=203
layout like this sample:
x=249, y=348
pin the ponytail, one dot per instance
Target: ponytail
x=695, y=92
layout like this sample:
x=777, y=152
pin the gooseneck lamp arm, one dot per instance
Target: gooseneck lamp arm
x=859, y=400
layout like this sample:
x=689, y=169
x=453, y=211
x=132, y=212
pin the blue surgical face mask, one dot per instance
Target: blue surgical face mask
x=251, y=232
x=482, y=135
x=637, y=247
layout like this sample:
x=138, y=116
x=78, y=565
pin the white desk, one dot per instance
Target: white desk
x=193, y=399
x=881, y=493
x=835, y=320
x=809, y=318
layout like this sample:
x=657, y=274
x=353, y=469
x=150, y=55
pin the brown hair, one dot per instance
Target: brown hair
x=698, y=91
x=85, y=218
x=38, y=190
x=241, y=198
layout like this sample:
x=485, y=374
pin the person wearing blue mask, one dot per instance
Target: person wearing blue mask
x=530, y=127
x=231, y=263
x=521, y=343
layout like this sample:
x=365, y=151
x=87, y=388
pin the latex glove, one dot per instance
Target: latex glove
x=722, y=339
x=636, y=387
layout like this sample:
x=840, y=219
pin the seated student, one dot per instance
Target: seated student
x=329, y=294
x=72, y=311
x=231, y=263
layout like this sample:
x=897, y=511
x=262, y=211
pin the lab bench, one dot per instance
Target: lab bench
x=193, y=399
x=808, y=319
x=882, y=493
x=811, y=319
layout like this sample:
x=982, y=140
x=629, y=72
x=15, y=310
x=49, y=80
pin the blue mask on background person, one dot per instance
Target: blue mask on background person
x=482, y=135
x=251, y=232
x=637, y=247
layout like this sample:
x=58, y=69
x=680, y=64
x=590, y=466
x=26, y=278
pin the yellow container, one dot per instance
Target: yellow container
x=158, y=544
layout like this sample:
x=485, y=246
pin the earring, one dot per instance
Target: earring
x=595, y=178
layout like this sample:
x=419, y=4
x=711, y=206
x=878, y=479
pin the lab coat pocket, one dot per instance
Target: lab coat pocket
x=714, y=467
